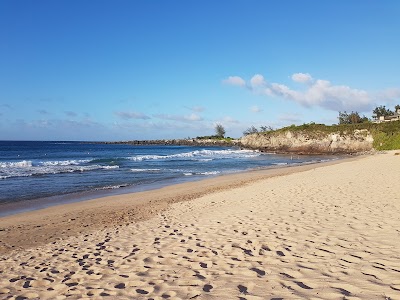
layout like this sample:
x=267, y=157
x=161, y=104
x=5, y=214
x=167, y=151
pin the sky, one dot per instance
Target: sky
x=126, y=70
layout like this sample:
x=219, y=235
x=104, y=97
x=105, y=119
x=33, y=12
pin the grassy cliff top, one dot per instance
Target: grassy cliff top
x=386, y=135
x=387, y=127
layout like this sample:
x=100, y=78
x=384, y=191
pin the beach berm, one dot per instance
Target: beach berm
x=326, y=231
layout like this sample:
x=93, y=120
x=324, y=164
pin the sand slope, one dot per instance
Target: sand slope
x=327, y=233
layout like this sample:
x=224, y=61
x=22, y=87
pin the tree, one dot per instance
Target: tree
x=351, y=118
x=382, y=111
x=266, y=128
x=253, y=129
x=219, y=130
x=250, y=130
x=397, y=107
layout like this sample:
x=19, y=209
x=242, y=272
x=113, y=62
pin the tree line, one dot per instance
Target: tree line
x=344, y=117
x=355, y=118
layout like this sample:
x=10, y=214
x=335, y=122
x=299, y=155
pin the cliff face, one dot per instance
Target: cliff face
x=310, y=142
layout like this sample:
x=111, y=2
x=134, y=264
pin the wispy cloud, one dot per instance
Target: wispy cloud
x=131, y=115
x=52, y=99
x=43, y=112
x=58, y=123
x=71, y=114
x=195, y=108
x=180, y=118
x=8, y=106
x=256, y=109
x=318, y=92
x=228, y=120
x=289, y=117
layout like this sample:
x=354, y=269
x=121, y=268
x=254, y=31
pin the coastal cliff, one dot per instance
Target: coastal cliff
x=304, y=139
x=310, y=142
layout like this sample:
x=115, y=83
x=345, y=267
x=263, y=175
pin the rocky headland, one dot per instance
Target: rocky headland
x=304, y=139
x=302, y=142
x=306, y=142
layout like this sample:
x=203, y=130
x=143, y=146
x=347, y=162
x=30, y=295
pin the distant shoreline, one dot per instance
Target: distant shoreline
x=180, y=142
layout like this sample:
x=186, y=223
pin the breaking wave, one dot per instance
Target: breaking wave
x=202, y=173
x=200, y=155
x=18, y=164
x=145, y=170
x=26, y=168
x=111, y=187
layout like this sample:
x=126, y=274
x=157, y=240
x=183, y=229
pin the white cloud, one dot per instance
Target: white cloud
x=196, y=108
x=392, y=94
x=234, y=80
x=193, y=117
x=131, y=115
x=256, y=109
x=257, y=80
x=186, y=118
x=302, y=77
x=322, y=93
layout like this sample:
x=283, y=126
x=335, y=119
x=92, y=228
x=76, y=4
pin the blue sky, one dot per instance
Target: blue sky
x=122, y=70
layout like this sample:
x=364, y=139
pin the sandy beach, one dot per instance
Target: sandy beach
x=326, y=231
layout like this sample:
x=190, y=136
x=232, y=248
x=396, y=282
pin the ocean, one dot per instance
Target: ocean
x=39, y=174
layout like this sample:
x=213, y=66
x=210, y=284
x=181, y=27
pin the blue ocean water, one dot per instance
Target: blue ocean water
x=49, y=170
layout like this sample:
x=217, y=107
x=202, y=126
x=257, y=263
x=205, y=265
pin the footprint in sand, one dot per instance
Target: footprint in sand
x=207, y=288
x=242, y=289
x=259, y=272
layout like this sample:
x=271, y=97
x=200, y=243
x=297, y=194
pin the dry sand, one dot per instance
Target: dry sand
x=327, y=232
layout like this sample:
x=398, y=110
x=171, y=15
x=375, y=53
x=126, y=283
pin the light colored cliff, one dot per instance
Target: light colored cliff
x=310, y=141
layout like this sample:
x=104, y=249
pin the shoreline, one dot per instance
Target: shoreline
x=323, y=231
x=35, y=227
x=23, y=206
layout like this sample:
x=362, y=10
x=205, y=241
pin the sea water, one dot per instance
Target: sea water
x=39, y=174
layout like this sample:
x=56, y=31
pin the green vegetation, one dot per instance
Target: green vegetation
x=219, y=135
x=386, y=135
x=215, y=137
x=253, y=129
x=351, y=118
x=219, y=131
x=383, y=111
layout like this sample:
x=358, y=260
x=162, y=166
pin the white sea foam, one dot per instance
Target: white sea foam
x=200, y=155
x=201, y=173
x=17, y=164
x=27, y=168
x=109, y=167
x=210, y=173
x=145, y=170
x=111, y=187
x=64, y=162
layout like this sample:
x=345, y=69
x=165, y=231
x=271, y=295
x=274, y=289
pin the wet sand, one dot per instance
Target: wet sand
x=326, y=231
